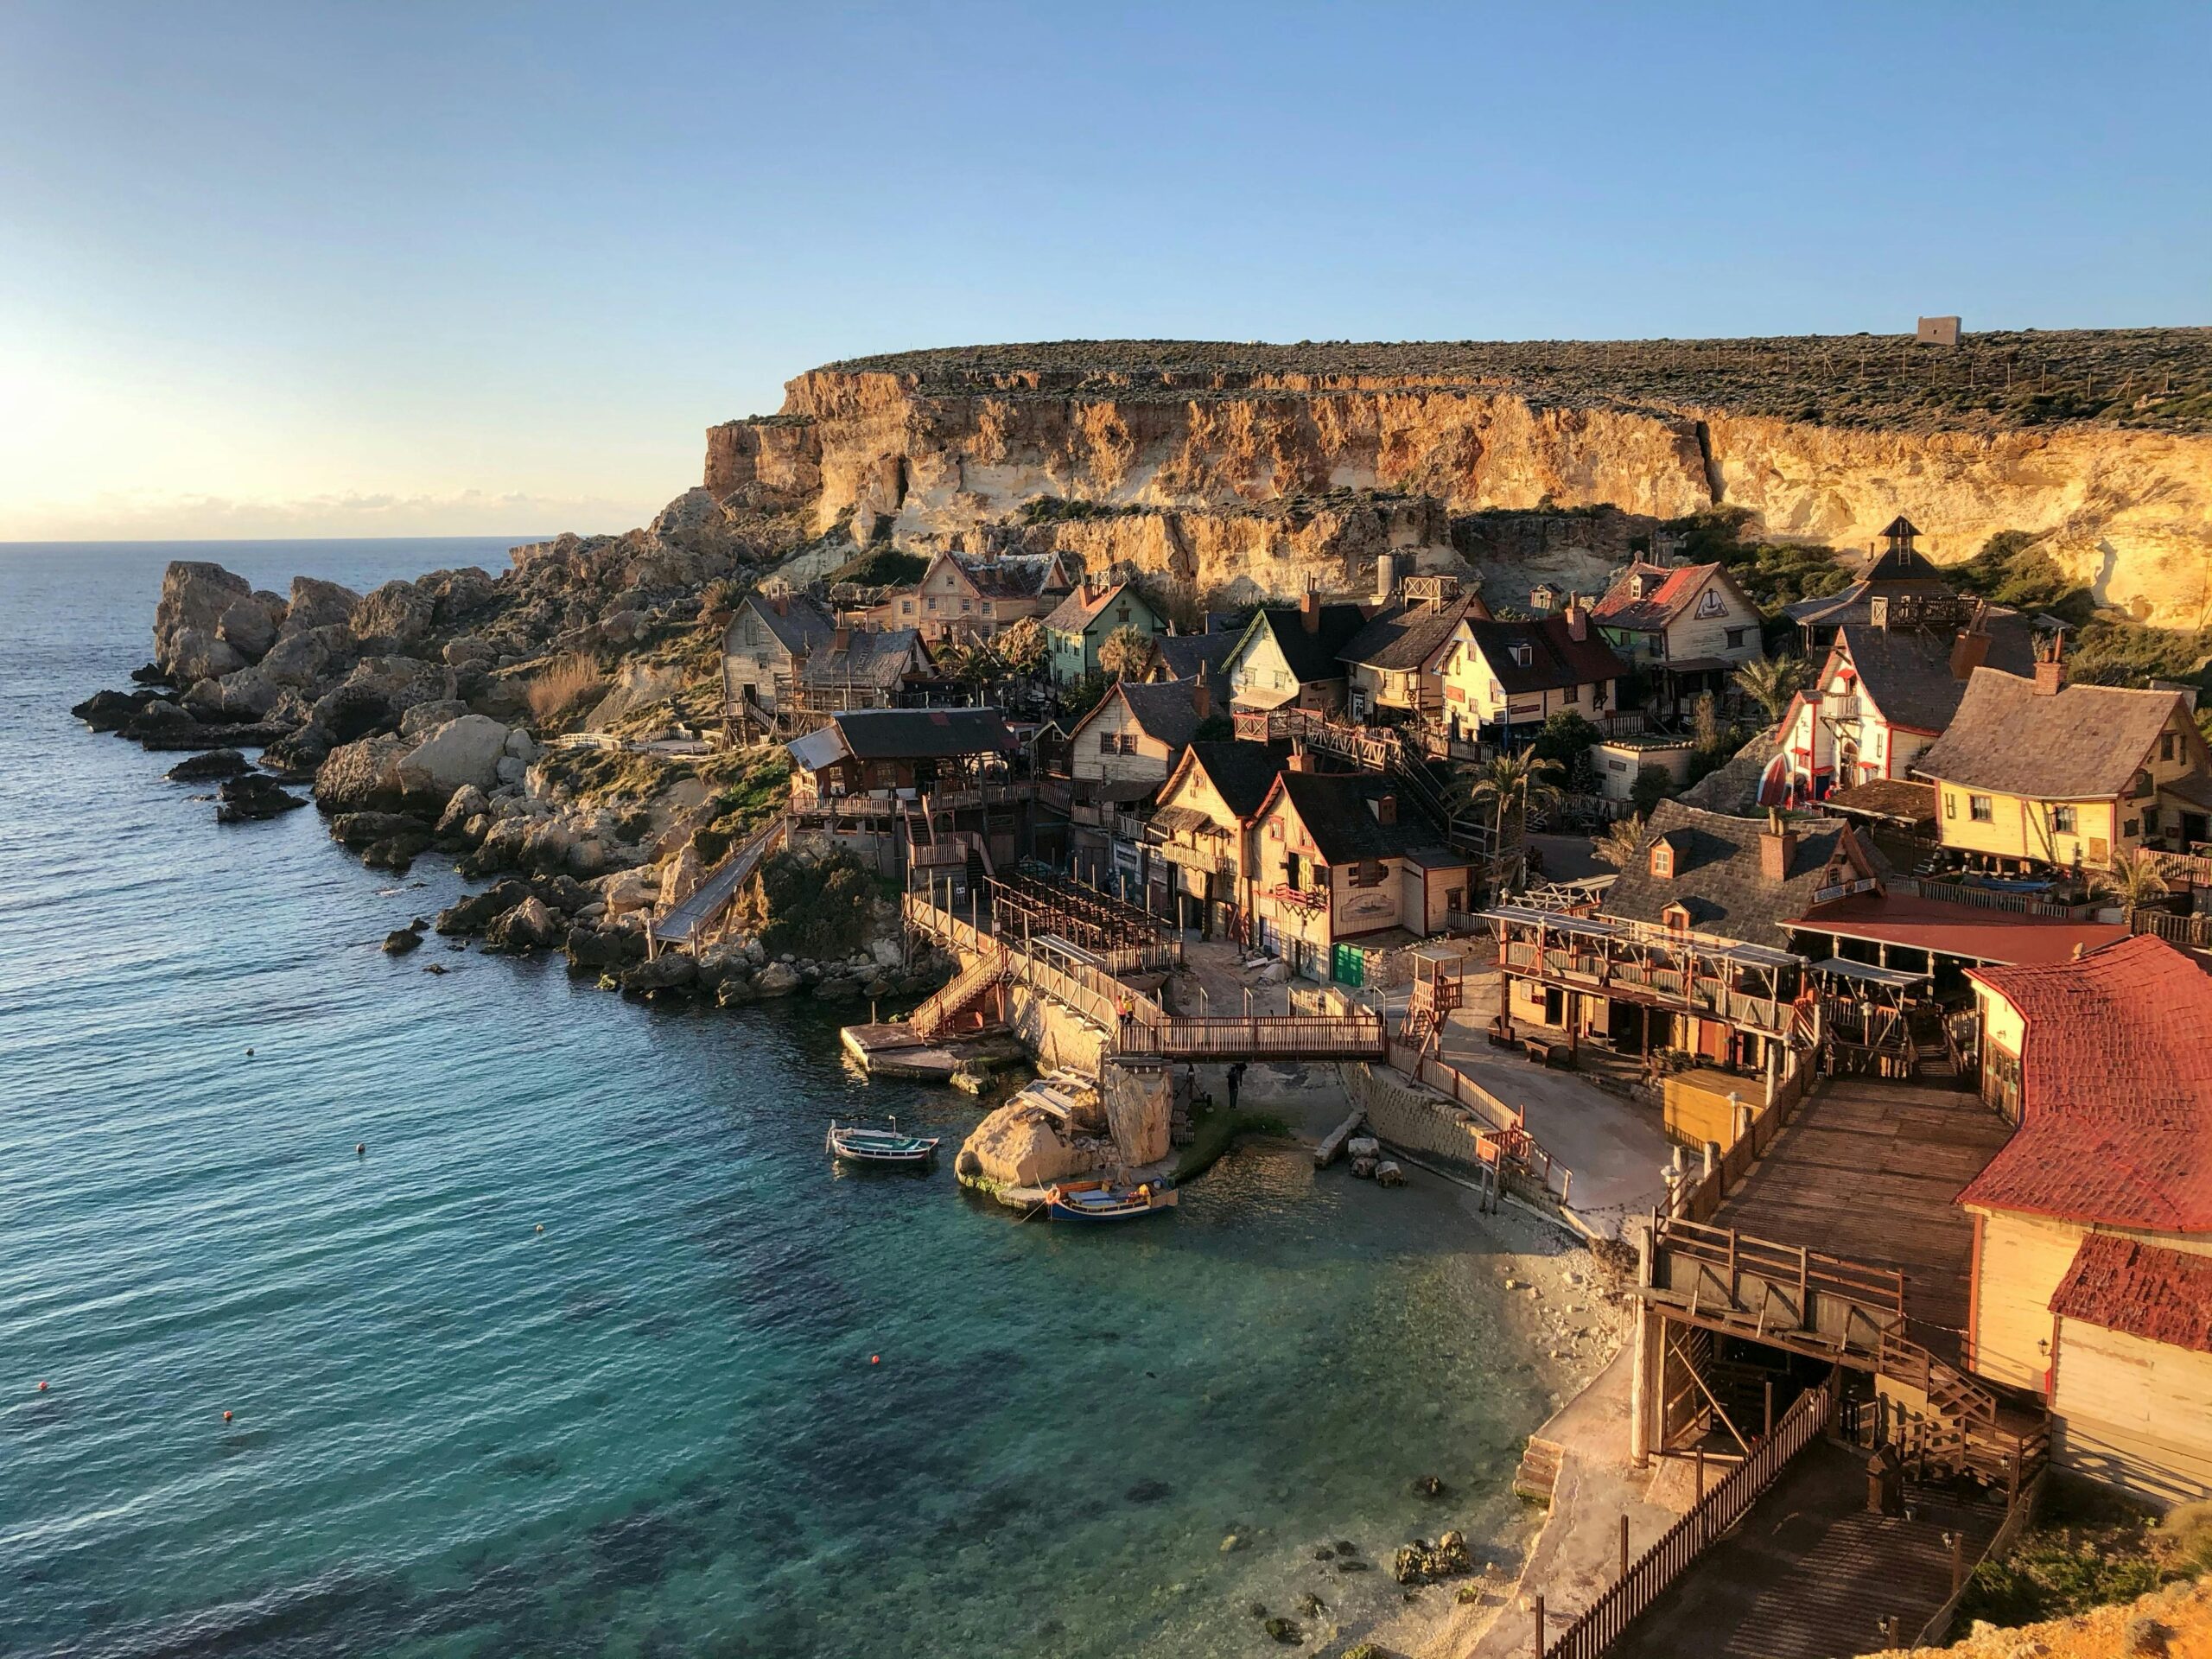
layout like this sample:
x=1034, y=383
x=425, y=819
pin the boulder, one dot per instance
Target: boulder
x=460, y=752
x=1387, y=1174
x=1021, y=1144
x=302, y=660
x=839, y=989
x=296, y=758
x=362, y=776
x=734, y=992
x=531, y=925
x=194, y=596
x=546, y=846
x=522, y=746
x=476, y=913
x=679, y=877
x=316, y=604
x=595, y=949
x=457, y=825
x=203, y=701
x=469, y=652
x=214, y=763
x=375, y=693
x=395, y=853
x=458, y=595
x=355, y=830
x=155, y=719
x=393, y=619
x=198, y=654
x=777, y=979
x=672, y=971
x=628, y=890
x=253, y=795
x=426, y=717
x=400, y=941
x=110, y=711
x=248, y=625
x=249, y=694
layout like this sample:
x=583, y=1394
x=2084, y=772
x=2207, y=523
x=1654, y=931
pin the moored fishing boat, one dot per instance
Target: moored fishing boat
x=1104, y=1201
x=851, y=1143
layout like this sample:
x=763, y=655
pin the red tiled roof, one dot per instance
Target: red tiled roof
x=1621, y=608
x=2115, y=1090
x=1993, y=935
x=2142, y=1290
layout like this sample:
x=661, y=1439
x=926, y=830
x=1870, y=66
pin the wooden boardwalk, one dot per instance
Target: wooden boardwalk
x=1807, y=1573
x=1869, y=1169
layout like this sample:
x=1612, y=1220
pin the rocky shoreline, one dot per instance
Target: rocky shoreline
x=427, y=717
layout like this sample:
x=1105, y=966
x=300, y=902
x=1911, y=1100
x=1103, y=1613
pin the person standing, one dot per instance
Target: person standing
x=1235, y=1080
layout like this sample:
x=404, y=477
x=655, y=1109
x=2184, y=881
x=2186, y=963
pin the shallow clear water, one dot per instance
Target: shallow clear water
x=655, y=1427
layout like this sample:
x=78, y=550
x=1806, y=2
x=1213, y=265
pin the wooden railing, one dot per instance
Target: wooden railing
x=1505, y=1128
x=1991, y=899
x=1261, y=1037
x=932, y=1016
x=1648, y=1576
x=1731, y=1258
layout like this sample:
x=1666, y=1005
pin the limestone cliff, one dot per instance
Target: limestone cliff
x=1238, y=472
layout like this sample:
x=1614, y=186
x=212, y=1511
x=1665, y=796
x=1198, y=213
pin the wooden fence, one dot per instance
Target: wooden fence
x=1651, y=1573
x=2018, y=1511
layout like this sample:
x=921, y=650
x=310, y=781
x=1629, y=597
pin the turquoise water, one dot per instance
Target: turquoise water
x=654, y=1428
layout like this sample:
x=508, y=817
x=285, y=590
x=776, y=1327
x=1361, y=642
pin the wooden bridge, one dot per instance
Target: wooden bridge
x=1259, y=1037
x=693, y=917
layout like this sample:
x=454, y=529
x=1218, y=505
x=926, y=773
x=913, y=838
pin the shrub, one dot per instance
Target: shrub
x=813, y=907
x=558, y=688
x=1653, y=785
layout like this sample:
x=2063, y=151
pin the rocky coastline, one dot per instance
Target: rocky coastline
x=428, y=717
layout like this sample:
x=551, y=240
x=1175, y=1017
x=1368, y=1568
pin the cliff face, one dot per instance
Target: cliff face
x=1224, y=467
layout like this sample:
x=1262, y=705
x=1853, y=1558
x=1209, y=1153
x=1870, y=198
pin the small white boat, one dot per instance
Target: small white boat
x=850, y=1144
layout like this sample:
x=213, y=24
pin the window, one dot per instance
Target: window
x=1573, y=695
x=905, y=608
x=1677, y=917
x=1521, y=654
x=1290, y=872
x=1950, y=804
x=2167, y=741
x=1979, y=809
x=1736, y=637
x=2062, y=820
x=2132, y=828
x=932, y=601
x=2150, y=821
x=987, y=607
x=1663, y=859
x=1368, y=873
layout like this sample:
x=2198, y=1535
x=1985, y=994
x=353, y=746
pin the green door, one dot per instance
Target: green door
x=1351, y=963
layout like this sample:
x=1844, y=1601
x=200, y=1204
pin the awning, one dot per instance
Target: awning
x=1866, y=973
x=1260, y=696
x=823, y=746
x=1964, y=931
x=1183, y=821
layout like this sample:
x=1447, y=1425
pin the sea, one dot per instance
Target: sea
x=349, y=1308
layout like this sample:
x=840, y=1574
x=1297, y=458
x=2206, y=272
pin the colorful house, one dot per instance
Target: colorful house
x=1687, y=626
x=1201, y=829
x=1504, y=677
x=2037, y=772
x=1391, y=663
x=2092, y=1276
x=963, y=597
x=1291, y=656
x=1085, y=619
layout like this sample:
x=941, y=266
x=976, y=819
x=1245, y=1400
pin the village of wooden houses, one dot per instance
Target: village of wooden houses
x=1837, y=974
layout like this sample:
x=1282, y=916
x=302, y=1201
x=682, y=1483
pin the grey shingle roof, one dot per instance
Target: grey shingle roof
x=1164, y=710
x=912, y=733
x=1907, y=672
x=1717, y=877
x=798, y=626
x=1313, y=657
x=1241, y=773
x=877, y=659
x=2084, y=742
x=1404, y=636
x=1183, y=653
x=1556, y=658
x=1334, y=810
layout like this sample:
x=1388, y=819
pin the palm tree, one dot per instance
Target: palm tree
x=1126, y=653
x=2133, y=879
x=972, y=666
x=1622, y=842
x=1771, y=682
x=1520, y=784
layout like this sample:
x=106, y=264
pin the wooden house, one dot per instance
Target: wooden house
x=1182, y=656
x=1085, y=619
x=769, y=637
x=1201, y=830
x=1897, y=583
x=961, y=596
x=1343, y=875
x=1504, y=678
x=859, y=668
x=2037, y=772
x=1390, y=665
x=2077, y=1292
x=1688, y=627
x=888, y=751
x=1291, y=656
x=1120, y=753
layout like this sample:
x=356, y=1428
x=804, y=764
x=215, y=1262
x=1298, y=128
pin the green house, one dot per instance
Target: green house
x=1085, y=619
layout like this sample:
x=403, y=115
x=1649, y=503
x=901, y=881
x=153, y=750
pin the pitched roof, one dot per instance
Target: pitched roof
x=1886, y=798
x=1334, y=808
x=1241, y=773
x=1678, y=585
x=2115, y=1090
x=1717, y=874
x=1406, y=636
x=1165, y=710
x=1901, y=528
x=906, y=734
x=878, y=659
x=798, y=626
x=1311, y=656
x=1081, y=608
x=1556, y=657
x=2084, y=743
x=1010, y=576
x=2140, y=1290
x=1907, y=671
x=1183, y=654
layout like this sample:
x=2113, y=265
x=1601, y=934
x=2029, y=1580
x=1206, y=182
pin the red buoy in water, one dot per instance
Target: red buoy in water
x=42, y=1388
x=226, y=1416
x=875, y=1359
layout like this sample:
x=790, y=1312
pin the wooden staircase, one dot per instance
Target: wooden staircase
x=958, y=996
x=1950, y=1422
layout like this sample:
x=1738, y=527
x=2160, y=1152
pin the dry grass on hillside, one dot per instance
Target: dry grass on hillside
x=562, y=686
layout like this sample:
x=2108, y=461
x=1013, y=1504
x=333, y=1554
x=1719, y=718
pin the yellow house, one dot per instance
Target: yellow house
x=2132, y=1367
x=1202, y=828
x=961, y=597
x=2037, y=771
x=2103, y=1064
x=1391, y=663
x=1518, y=674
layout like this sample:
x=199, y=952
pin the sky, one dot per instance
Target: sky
x=403, y=267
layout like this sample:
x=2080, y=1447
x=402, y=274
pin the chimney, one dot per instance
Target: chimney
x=1385, y=808
x=781, y=601
x=1578, y=619
x=1386, y=578
x=1300, y=759
x=1201, y=694
x=841, y=637
x=1777, y=846
x=2050, y=669
x=1968, y=652
x=1309, y=611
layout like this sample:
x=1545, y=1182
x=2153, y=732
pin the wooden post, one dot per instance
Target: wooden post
x=1701, y=1471
x=1769, y=1429
x=1539, y=1627
x=1623, y=1543
x=1957, y=1543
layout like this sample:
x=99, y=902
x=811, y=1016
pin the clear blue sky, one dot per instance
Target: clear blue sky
x=392, y=268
